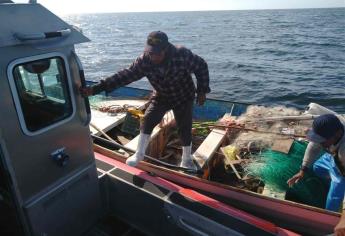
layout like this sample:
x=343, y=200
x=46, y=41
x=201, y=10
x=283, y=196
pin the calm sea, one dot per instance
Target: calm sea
x=286, y=57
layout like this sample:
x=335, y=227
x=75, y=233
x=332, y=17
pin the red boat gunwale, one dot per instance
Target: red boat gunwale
x=195, y=196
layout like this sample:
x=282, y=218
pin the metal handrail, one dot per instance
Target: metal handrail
x=42, y=35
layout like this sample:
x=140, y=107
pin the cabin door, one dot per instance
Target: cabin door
x=47, y=143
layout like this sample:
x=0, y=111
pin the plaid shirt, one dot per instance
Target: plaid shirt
x=172, y=81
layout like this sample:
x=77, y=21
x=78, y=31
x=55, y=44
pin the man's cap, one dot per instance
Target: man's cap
x=324, y=128
x=156, y=42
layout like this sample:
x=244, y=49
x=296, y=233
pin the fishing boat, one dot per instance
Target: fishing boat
x=109, y=123
x=53, y=180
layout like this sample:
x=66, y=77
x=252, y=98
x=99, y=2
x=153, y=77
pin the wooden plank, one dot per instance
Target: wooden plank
x=123, y=140
x=209, y=146
x=235, y=171
x=282, y=145
x=168, y=117
x=106, y=121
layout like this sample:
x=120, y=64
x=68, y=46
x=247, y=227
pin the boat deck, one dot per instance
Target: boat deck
x=301, y=218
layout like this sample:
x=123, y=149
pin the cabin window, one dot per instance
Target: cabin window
x=43, y=92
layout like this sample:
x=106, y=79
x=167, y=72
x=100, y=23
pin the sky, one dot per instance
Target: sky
x=65, y=7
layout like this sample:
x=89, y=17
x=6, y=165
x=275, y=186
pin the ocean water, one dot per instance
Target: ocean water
x=271, y=57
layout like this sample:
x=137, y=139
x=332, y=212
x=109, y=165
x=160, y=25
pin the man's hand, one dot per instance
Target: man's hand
x=339, y=229
x=295, y=178
x=86, y=91
x=200, y=99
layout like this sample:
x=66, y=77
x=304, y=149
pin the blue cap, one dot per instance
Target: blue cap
x=156, y=42
x=324, y=128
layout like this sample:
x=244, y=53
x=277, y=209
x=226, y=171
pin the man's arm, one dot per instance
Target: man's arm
x=311, y=154
x=119, y=79
x=199, y=67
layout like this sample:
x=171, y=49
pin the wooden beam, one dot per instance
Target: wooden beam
x=209, y=146
x=282, y=145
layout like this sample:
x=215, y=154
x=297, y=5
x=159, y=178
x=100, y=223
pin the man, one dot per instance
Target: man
x=327, y=133
x=168, y=69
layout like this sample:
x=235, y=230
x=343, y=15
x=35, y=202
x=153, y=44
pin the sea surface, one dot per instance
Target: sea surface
x=271, y=57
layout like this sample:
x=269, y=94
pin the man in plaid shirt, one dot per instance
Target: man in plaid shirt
x=168, y=69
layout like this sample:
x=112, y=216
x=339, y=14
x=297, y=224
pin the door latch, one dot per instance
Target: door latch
x=60, y=157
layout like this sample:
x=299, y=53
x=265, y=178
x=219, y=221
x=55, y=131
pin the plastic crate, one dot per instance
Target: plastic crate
x=131, y=125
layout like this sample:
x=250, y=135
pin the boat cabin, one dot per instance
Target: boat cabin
x=50, y=180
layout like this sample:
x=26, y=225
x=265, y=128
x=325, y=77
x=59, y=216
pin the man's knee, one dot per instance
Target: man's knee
x=153, y=116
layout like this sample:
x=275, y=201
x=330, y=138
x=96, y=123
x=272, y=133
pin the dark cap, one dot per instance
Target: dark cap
x=324, y=128
x=156, y=42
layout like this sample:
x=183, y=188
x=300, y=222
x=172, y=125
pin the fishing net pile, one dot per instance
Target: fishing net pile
x=265, y=125
x=256, y=135
x=275, y=168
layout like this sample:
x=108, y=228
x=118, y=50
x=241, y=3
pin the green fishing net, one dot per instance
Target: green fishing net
x=275, y=168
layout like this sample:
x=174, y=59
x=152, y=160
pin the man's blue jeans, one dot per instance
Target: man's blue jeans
x=326, y=168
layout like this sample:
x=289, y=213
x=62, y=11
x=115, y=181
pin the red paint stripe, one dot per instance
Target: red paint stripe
x=257, y=222
x=265, y=225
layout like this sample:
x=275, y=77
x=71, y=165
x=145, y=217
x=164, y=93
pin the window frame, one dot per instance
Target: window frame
x=16, y=98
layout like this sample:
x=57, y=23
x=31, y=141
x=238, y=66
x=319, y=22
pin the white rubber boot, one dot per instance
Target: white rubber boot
x=140, y=153
x=187, y=159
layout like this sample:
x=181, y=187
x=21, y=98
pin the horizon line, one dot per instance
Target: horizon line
x=167, y=11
